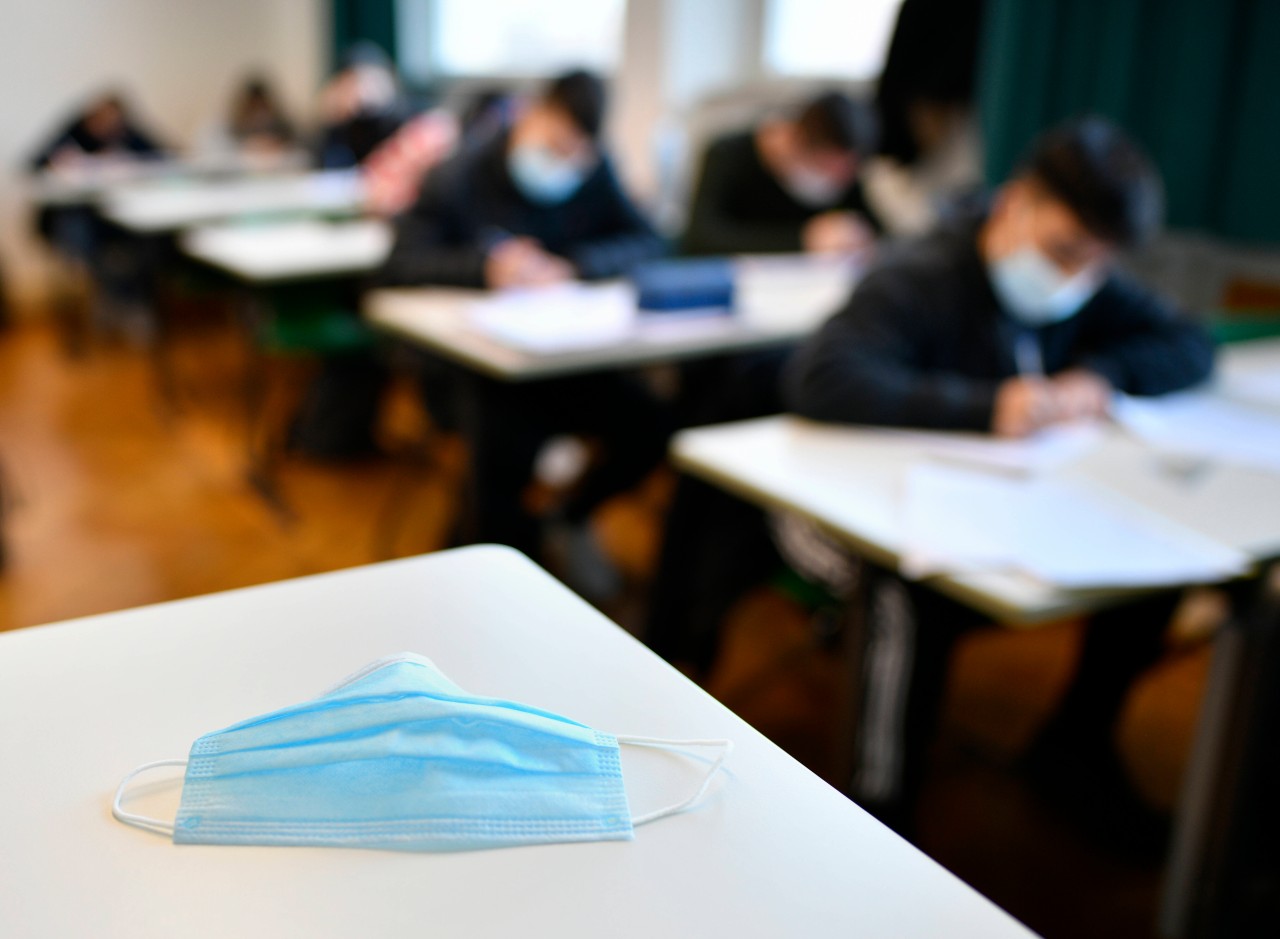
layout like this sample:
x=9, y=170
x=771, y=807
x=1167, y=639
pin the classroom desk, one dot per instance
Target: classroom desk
x=87, y=184
x=275, y=253
x=162, y=208
x=773, y=851
x=847, y=480
x=778, y=307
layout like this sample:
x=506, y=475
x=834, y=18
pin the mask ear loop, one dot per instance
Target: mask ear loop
x=726, y=747
x=142, y=821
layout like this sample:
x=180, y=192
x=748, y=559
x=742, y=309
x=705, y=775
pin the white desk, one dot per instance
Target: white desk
x=773, y=852
x=156, y=208
x=86, y=183
x=781, y=300
x=849, y=480
x=290, y=251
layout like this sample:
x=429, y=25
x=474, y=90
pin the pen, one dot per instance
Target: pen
x=1026, y=355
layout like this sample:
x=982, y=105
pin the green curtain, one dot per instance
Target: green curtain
x=353, y=20
x=1196, y=81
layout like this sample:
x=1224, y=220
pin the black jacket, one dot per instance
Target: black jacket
x=470, y=203
x=132, y=141
x=739, y=207
x=923, y=342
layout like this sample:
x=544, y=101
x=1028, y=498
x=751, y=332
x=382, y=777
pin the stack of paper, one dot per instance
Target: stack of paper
x=1063, y=533
x=1259, y=387
x=1046, y=450
x=1205, y=427
x=561, y=318
x=792, y=291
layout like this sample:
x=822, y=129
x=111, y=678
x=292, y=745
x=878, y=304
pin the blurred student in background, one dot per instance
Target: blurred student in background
x=255, y=126
x=790, y=184
x=105, y=129
x=338, y=416
x=360, y=106
x=930, y=158
x=1008, y=324
x=104, y=138
x=535, y=204
x=394, y=172
x=1004, y=323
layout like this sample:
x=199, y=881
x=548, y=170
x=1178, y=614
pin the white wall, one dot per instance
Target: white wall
x=177, y=60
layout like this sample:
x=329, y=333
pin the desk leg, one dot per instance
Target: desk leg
x=261, y=458
x=1211, y=886
x=853, y=648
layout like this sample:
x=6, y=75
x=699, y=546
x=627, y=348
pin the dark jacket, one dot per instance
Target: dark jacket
x=132, y=141
x=470, y=203
x=923, y=342
x=739, y=207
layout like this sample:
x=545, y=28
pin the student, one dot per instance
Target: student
x=930, y=158
x=104, y=133
x=537, y=203
x=788, y=185
x=1009, y=324
x=255, y=125
x=105, y=128
x=393, y=173
x=360, y=106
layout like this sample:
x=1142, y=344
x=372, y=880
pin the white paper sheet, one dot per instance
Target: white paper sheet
x=1202, y=426
x=1259, y=387
x=1062, y=533
x=1049, y=449
x=557, y=319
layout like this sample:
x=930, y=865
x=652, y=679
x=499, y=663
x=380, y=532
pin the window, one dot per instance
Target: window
x=518, y=38
x=846, y=39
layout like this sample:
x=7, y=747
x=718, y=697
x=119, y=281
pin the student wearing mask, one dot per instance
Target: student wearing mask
x=1011, y=323
x=537, y=203
x=788, y=185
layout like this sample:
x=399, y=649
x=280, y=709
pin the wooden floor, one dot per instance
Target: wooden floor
x=113, y=500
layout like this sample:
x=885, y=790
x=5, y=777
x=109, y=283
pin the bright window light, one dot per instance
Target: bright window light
x=517, y=37
x=828, y=38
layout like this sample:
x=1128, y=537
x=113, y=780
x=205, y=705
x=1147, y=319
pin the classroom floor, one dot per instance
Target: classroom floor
x=114, y=499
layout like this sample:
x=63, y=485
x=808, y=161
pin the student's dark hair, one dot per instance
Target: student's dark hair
x=581, y=95
x=108, y=98
x=256, y=86
x=836, y=121
x=1102, y=176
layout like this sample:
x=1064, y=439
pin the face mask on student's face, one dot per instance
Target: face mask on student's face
x=812, y=188
x=1032, y=289
x=542, y=176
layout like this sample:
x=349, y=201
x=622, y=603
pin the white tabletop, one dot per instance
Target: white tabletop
x=166, y=206
x=88, y=180
x=849, y=480
x=287, y=251
x=780, y=300
x=773, y=851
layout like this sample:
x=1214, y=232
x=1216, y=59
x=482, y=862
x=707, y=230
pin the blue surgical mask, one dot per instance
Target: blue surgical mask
x=813, y=189
x=397, y=756
x=542, y=176
x=1035, y=292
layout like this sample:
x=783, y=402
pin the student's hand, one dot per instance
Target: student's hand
x=1023, y=405
x=68, y=158
x=522, y=262
x=1081, y=395
x=836, y=233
